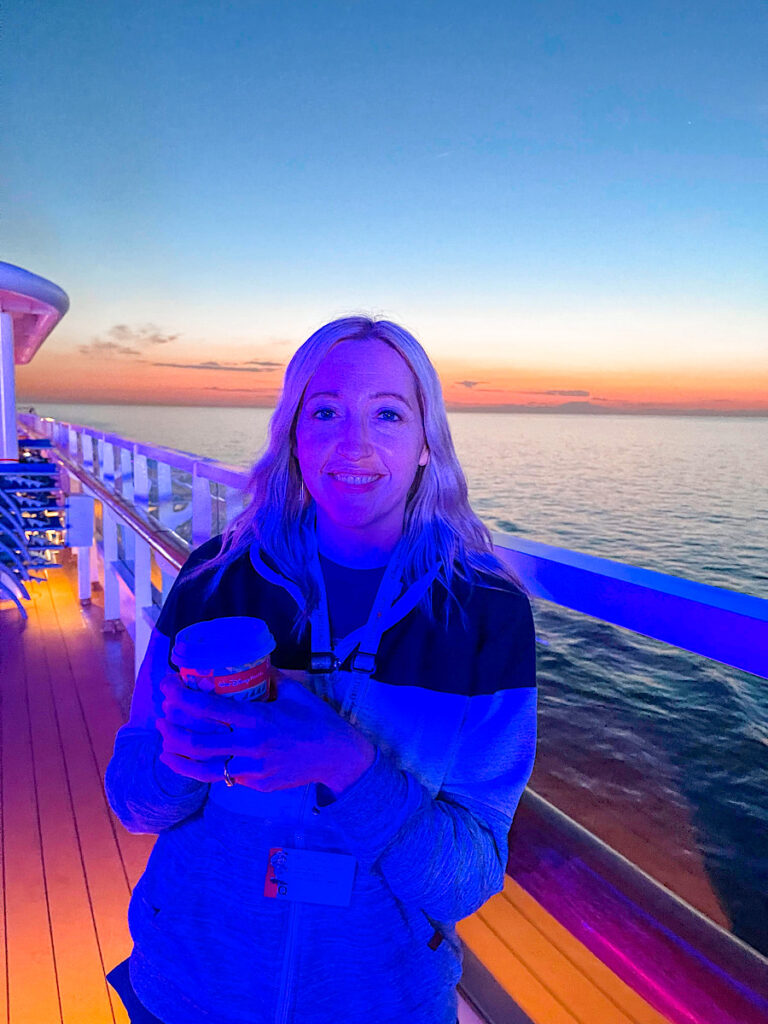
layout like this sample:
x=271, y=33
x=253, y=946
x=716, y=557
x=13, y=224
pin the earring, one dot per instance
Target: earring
x=301, y=493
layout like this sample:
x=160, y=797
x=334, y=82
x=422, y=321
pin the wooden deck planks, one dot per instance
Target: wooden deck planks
x=100, y=718
x=69, y=864
x=559, y=940
x=92, y=810
x=564, y=980
x=82, y=986
x=107, y=884
x=33, y=991
x=497, y=954
x=550, y=975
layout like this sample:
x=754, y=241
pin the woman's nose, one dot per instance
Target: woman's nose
x=354, y=441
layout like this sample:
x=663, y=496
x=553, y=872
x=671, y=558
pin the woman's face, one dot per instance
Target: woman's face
x=359, y=442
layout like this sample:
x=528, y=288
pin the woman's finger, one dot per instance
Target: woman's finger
x=195, y=701
x=193, y=743
x=202, y=723
x=214, y=707
x=207, y=771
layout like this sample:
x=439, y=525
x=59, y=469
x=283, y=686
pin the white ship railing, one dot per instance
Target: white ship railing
x=166, y=502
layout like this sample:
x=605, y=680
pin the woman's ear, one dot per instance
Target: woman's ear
x=424, y=457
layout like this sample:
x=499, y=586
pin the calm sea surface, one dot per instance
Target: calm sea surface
x=676, y=744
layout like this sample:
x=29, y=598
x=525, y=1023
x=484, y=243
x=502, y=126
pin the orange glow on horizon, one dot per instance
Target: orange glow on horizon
x=58, y=377
x=712, y=388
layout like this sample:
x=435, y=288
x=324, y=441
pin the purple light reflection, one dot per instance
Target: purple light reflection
x=633, y=940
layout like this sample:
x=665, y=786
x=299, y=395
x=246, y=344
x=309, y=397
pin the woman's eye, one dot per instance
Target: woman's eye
x=326, y=413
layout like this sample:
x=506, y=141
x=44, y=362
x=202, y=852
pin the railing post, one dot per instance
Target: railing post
x=201, y=508
x=84, y=573
x=72, y=442
x=87, y=557
x=142, y=588
x=165, y=512
x=126, y=490
x=164, y=494
x=233, y=503
x=94, y=563
x=107, y=460
x=87, y=440
x=106, y=467
x=126, y=478
x=140, y=481
x=80, y=519
x=9, y=443
x=111, y=583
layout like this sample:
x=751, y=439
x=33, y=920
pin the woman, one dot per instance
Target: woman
x=389, y=766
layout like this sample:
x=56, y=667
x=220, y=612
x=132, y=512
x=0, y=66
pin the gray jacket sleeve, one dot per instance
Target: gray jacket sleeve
x=145, y=794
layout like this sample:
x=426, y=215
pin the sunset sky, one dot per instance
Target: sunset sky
x=567, y=203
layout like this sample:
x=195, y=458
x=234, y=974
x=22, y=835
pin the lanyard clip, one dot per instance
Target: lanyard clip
x=323, y=661
x=364, y=662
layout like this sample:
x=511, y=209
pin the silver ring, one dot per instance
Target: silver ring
x=227, y=777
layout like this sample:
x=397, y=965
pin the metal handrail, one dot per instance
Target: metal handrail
x=722, y=625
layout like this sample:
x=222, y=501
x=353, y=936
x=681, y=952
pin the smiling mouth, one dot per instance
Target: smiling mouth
x=348, y=478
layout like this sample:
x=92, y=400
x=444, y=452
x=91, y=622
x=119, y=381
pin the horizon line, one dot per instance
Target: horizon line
x=564, y=409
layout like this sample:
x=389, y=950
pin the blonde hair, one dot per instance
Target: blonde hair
x=439, y=524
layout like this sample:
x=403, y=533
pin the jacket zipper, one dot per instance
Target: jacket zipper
x=287, y=978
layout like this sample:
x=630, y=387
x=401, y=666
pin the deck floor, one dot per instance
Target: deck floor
x=68, y=865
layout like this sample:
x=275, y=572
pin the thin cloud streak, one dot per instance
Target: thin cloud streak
x=615, y=409
x=562, y=394
x=121, y=340
x=262, y=367
x=97, y=347
x=146, y=335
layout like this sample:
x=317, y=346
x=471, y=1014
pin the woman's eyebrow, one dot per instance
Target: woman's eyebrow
x=378, y=394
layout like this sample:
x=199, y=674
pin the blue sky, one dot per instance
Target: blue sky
x=539, y=185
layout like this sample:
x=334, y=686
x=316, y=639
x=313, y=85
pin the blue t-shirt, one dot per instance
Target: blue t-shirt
x=350, y=594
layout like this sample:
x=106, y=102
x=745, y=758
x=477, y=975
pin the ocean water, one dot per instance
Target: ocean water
x=661, y=753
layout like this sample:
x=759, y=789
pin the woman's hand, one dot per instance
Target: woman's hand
x=288, y=742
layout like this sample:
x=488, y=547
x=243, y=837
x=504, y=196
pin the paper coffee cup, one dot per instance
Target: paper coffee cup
x=228, y=656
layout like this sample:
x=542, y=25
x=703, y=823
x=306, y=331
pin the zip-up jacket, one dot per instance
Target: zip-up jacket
x=452, y=715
